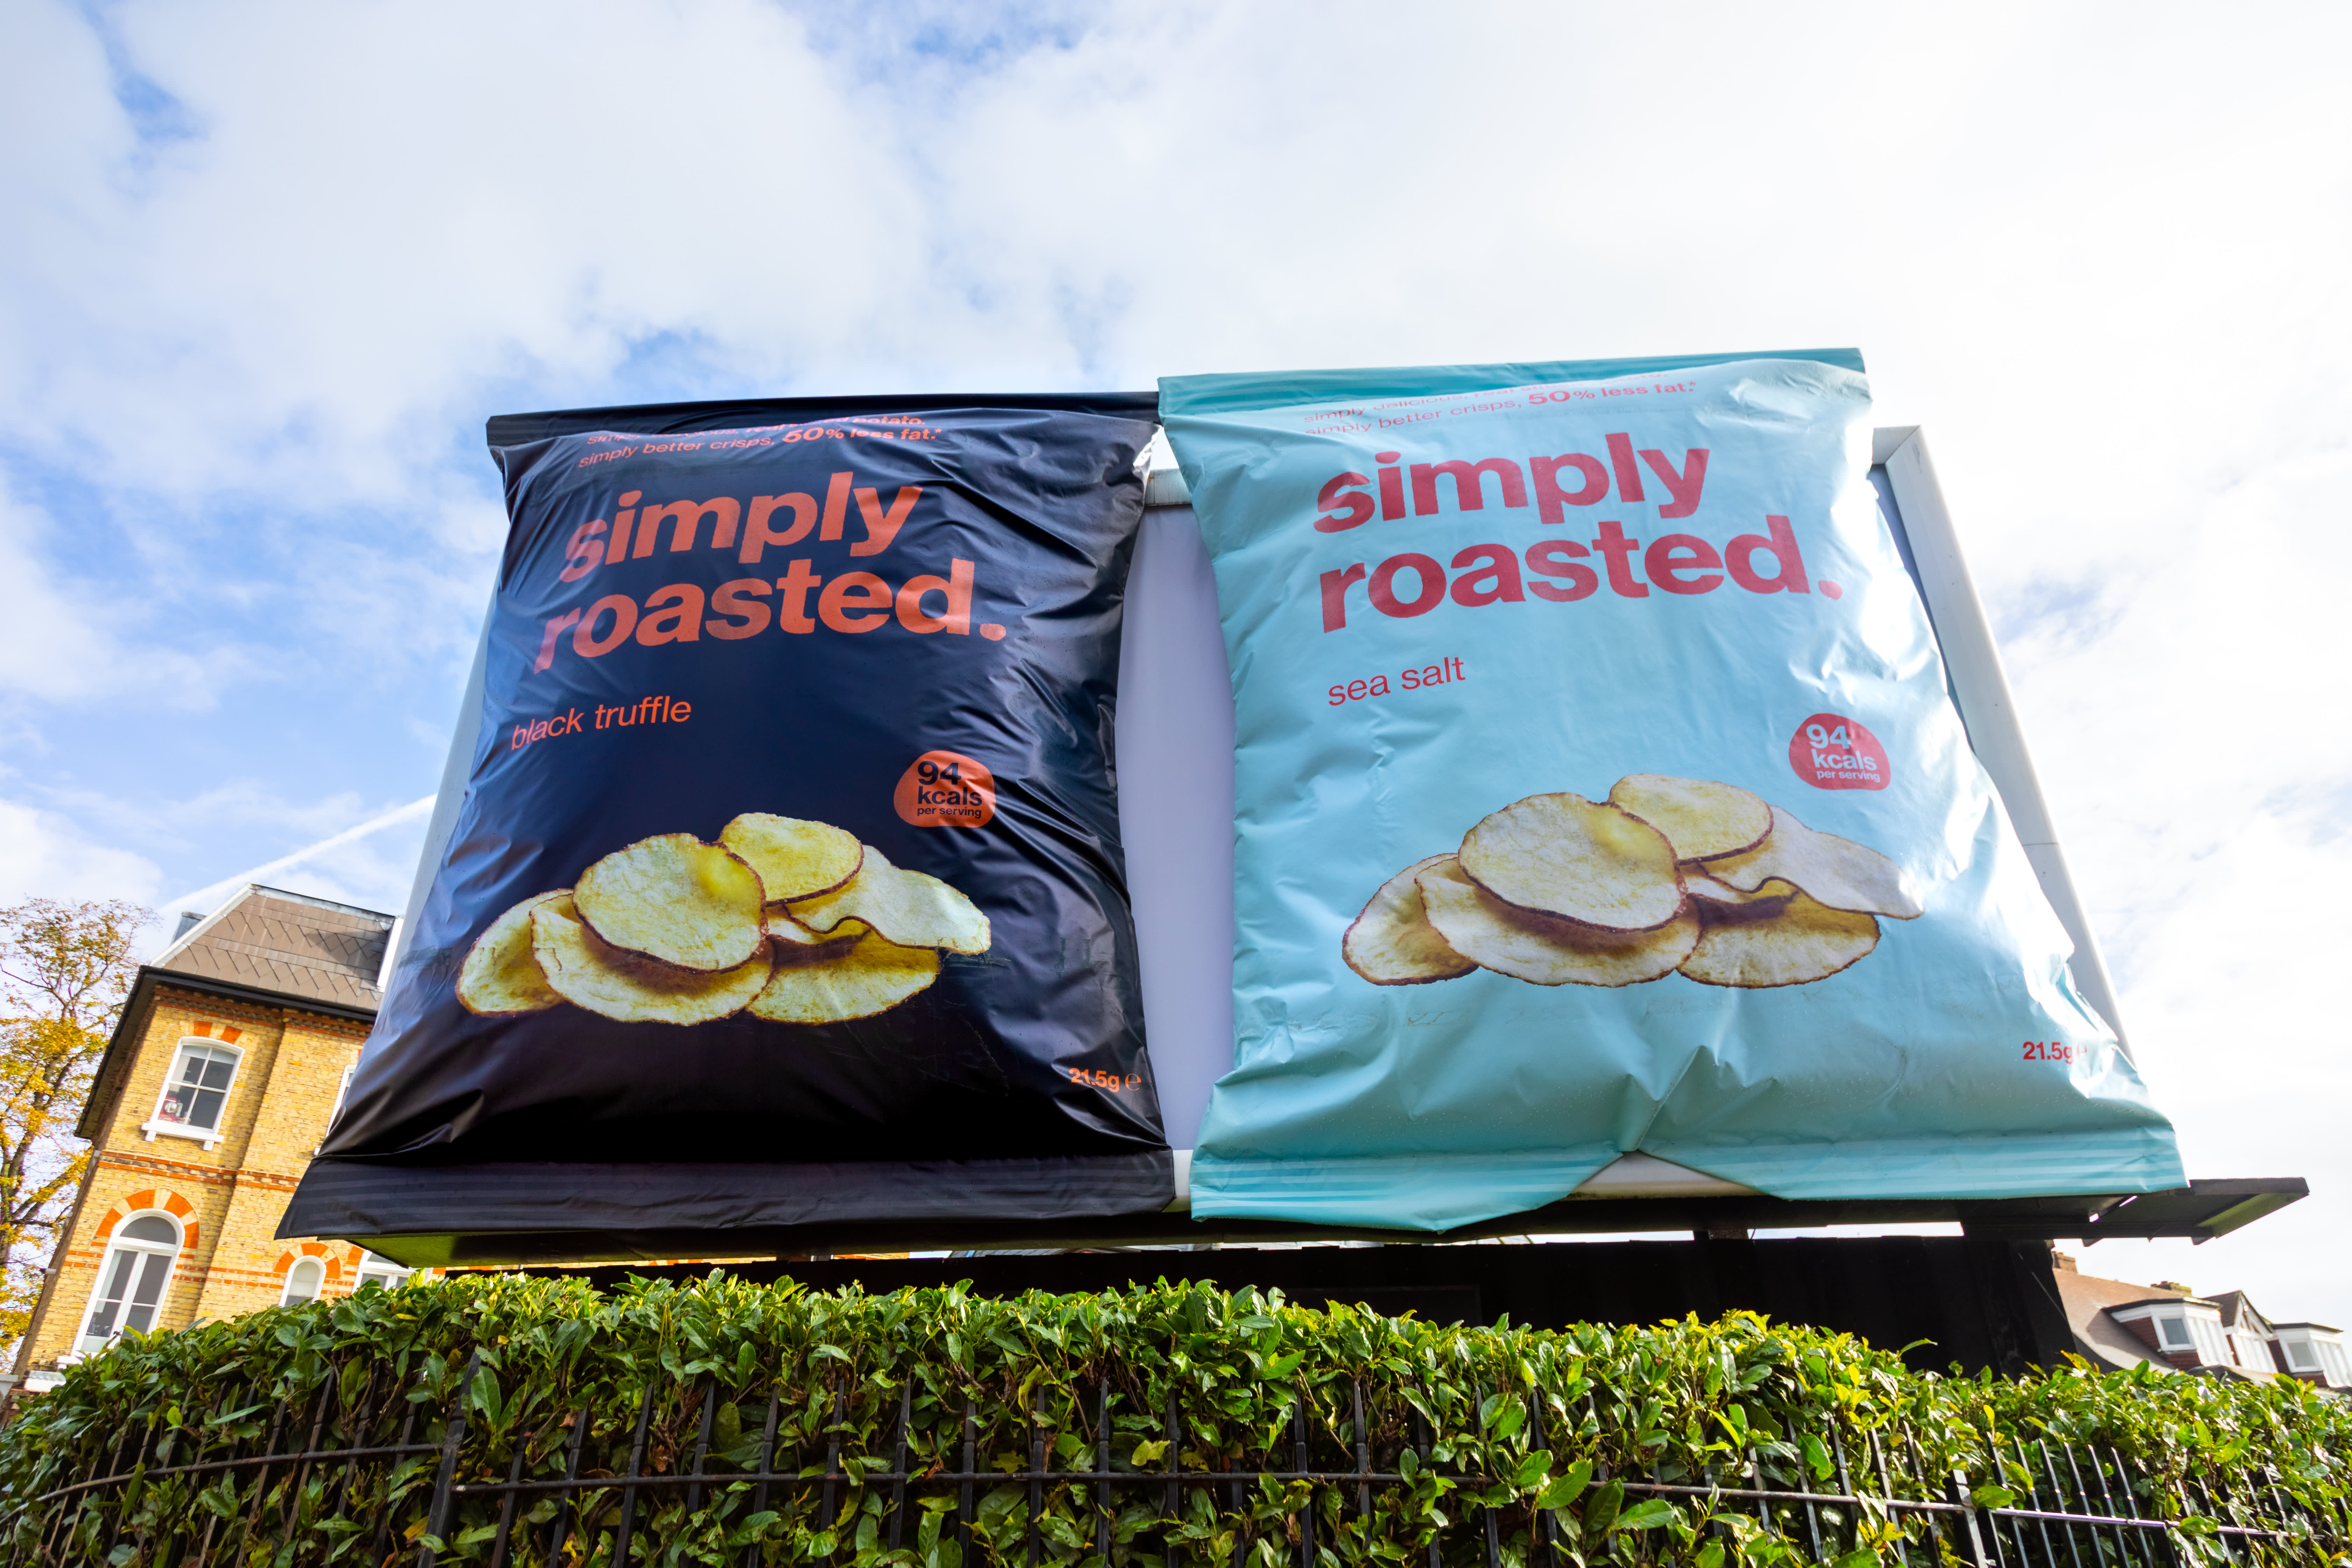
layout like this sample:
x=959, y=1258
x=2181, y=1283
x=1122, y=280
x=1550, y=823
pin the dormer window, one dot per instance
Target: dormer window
x=195, y=1091
x=2184, y=1330
x=2314, y=1351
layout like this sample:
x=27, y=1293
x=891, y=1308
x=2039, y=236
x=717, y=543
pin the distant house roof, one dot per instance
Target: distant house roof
x=2087, y=1300
x=2237, y=1311
x=266, y=946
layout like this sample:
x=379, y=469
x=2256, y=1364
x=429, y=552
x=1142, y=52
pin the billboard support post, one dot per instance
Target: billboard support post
x=1988, y=708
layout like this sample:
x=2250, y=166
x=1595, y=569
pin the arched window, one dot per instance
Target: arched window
x=130, y=1279
x=302, y=1281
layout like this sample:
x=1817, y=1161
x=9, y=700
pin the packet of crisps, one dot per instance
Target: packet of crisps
x=1599, y=790
x=782, y=885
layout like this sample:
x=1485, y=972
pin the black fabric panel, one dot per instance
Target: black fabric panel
x=361, y=1198
x=1981, y=1301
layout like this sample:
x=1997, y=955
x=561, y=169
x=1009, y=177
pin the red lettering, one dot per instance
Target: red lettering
x=1469, y=484
x=685, y=521
x=854, y=602
x=791, y=607
x=1341, y=511
x=1382, y=588
x=836, y=504
x=956, y=585
x=584, y=640
x=1684, y=486
x=581, y=553
x=618, y=550
x=680, y=619
x=1550, y=497
x=1392, y=488
x=1619, y=548
x=745, y=617
x=1552, y=558
x=547, y=643
x=1498, y=570
x=1628, y=473
x=882, y=527
x=758, y=535
x=1335, y=595
x=1671, y=554
x=1739, y=556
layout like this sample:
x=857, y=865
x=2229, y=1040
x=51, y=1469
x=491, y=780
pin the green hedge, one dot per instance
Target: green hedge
x=1678, y=1402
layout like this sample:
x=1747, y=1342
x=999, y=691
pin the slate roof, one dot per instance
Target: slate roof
x=290, y=943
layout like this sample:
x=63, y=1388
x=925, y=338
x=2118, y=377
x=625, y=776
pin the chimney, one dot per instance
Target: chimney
x=188, y=918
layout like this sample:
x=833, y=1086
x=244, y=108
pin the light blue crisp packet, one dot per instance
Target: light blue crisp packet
x=1599, y=790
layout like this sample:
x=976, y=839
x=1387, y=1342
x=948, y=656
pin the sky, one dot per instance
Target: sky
x=268, y=268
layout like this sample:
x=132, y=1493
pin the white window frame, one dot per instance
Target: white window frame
x=286, y=1296
x=118, y=1245
x=342, y=1093
x=210, y=1137
x=2322, y=1350
x=389, y=1275
x=2166, y=1327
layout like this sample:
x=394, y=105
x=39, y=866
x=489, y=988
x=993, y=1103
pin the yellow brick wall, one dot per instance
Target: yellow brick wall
x=233, y=1194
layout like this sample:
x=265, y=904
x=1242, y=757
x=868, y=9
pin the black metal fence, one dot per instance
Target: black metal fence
x=367, y=1471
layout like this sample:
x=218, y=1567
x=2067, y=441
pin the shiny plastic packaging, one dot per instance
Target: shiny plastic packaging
x=1599, y=790
x=786, y=887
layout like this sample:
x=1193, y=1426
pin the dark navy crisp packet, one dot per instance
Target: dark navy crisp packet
x=901, y=619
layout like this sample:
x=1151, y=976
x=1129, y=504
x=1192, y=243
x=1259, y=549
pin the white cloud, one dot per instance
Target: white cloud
x=63, y=640
x=47, y=856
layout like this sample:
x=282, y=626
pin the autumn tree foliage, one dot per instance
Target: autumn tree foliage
x=66, y=970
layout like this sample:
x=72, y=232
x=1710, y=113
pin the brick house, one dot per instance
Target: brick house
x=231, y=1059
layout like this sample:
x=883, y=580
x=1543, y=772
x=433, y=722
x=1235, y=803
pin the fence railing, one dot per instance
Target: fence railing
x=367, y=1471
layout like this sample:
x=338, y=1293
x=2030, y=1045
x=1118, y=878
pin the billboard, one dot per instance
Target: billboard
x=1366, y=638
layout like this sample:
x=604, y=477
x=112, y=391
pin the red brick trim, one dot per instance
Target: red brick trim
x=171, y=1203
x=320, y=1250
x=155, y=1166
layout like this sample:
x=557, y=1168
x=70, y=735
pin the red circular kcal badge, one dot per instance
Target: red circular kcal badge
x=1830, y=751
x=946, y=789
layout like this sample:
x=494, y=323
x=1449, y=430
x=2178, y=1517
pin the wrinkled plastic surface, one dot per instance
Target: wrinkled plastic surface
x=1956, y=1060
x=1032, y=1051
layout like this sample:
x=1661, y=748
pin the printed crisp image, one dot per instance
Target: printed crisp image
x=794, y=921
x=1665, y=876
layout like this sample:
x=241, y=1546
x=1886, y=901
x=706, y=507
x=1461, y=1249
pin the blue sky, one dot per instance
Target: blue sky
x=269, y=267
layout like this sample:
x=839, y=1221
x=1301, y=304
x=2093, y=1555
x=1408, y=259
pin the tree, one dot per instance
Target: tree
x=66, y=971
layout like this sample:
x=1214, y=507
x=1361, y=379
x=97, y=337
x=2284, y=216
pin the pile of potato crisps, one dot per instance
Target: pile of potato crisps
x=792, y=920
x=1666, y=876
